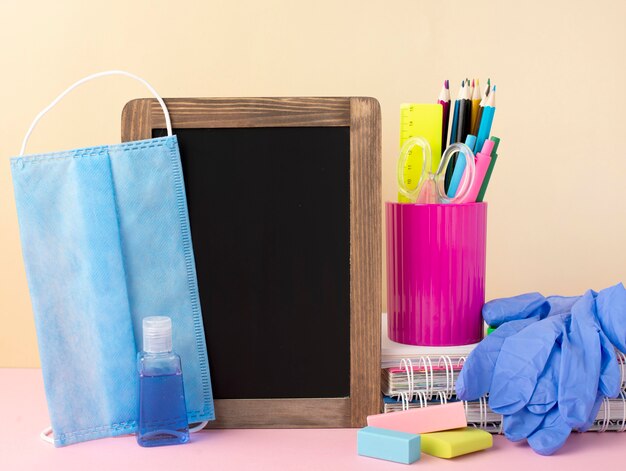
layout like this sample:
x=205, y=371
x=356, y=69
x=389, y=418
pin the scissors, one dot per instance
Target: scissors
x=431, y=186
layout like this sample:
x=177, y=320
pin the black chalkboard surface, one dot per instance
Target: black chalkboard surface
x=285, y=210
x=269, y=210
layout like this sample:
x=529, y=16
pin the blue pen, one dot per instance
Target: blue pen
x=470, y=142
x=487, y=120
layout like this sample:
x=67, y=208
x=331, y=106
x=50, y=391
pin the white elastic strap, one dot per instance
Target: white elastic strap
x=198, y=427
x=168, y=123
x=45, y=435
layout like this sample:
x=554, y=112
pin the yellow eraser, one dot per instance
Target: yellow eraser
x=456, y=442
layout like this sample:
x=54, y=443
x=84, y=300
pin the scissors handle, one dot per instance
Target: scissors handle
x=466, y=180
x=417, y=141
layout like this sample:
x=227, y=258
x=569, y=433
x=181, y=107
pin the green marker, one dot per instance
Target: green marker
x=494, y=157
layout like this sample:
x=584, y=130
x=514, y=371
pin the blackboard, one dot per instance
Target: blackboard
x=269, y=210
x=271, y=207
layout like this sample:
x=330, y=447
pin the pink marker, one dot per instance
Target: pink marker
x=483, y=159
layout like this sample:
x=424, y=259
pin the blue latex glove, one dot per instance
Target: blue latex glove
x=551, y=373
x=611, y=304
x=475, y=378
x=518, y=312
x=561, y=304
x=610, y=374
x=588, y=363
x=580, y=369
x=520, y=425
x=545, y=395
x=522, y=360
x=527, y=420
x=524, y=306
x=584, y=346
x=551, y=433
x=593, y=414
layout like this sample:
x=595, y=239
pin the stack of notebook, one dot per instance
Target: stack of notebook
x=419, y=376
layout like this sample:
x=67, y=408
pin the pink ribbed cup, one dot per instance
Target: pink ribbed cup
x=436, y=272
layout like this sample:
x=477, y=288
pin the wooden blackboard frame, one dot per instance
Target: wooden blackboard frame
x=362, y=116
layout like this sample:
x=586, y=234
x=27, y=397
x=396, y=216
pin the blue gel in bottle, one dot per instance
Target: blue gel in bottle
x=162, y=410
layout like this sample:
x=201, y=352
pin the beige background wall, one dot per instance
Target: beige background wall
x=557, y=215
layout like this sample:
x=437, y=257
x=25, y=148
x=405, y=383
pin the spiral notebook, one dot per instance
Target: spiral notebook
x=416, y=376
x=410, y=368
x=393, y=353
x=611, y=416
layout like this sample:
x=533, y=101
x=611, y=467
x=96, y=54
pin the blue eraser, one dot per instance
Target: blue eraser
x=389, y=445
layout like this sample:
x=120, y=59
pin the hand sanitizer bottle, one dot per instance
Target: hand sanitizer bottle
x=162, y=410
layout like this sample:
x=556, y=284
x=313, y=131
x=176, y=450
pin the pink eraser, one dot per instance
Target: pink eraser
x=422, y=420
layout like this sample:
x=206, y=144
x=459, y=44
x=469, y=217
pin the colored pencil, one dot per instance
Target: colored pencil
x=487, y=118
x=444, y=101
x=476, y=99
x=480, y=108
x=453, y=136
x=455, y=115
x=465, y=116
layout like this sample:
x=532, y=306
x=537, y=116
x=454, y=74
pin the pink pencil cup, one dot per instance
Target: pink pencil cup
x=436, y=272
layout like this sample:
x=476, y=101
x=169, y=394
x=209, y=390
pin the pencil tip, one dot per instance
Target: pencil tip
x=489, y=82
x=494, y=88
x=446, y=84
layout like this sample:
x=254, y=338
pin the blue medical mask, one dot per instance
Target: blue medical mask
x=106, y=242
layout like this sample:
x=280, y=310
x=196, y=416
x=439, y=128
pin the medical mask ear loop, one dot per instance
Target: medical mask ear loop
x=168, y=122
x=198, y=427
x=45, y=434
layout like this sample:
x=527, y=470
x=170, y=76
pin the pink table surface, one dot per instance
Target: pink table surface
x=23, y=414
